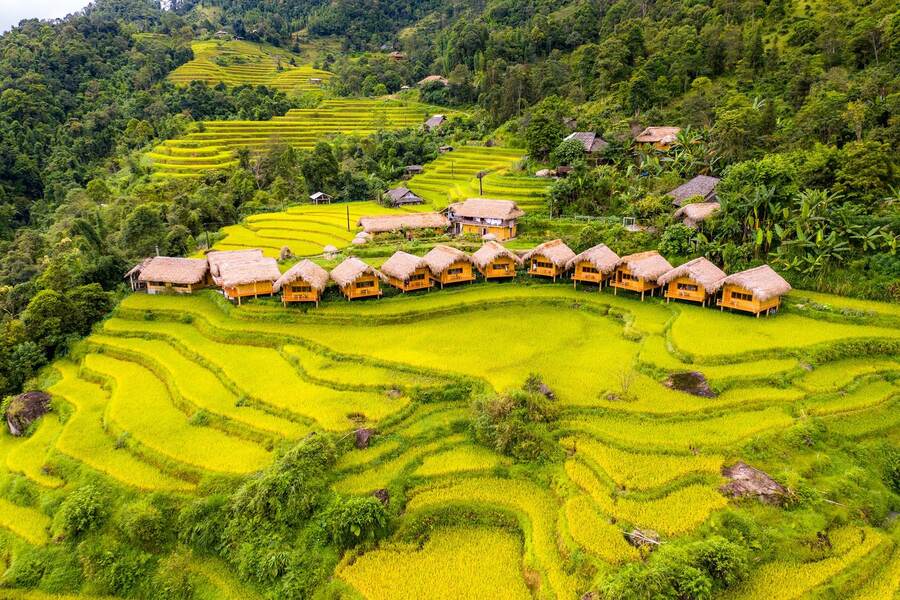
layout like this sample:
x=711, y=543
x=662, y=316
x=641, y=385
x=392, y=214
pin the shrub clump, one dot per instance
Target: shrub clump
x=355, y=520
x=83, y=511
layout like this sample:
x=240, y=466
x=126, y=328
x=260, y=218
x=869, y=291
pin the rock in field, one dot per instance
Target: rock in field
x=747, y=481
x=25, y=409
x=692, y=382
x=362, y=438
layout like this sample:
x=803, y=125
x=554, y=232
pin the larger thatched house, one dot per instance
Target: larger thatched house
x=495, y=261
x=356, y=279
x=594, y=265
x=405, y=222
x=755, y=290
x=162, y=274
x=639, y=272
x=660, y=138
x=550, y=259
x=449, y=265
x=304, y=282
x=696, y=280
x=694, y=214
x=243, y=274
x=701, y=186
x=480, y=216
x=407, y=272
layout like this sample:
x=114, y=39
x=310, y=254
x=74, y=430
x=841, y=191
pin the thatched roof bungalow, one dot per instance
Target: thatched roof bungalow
x=639, y=272
x=495, y=261
x=407, y=272
x=402, y=196
x=755, y=290
x=594, y=265
x=449, y=265
x=701, y=186
x=694, y=214
x=482, y=216
x=356, y=279
x=161, y=274
x=660, y=138
x=304, y=282
x=405, y=222
x=696, y=281
x=434, y=79
x=549, y=259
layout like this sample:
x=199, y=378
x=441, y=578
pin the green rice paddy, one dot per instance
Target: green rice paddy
x=173, y=388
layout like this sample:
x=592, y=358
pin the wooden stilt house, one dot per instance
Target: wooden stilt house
x=639, y=272
x=755, y=290
x=304, y=282
x=356, y=279
x=696, y=281
x=549, y=259
x=449, y=265
x=407, y=272
x=495, y=261
x=594, y=265
x=243, y=273
x=166, y=274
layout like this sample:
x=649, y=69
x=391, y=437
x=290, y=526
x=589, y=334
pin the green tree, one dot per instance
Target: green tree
x=545, y=128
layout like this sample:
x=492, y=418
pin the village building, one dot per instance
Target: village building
x=434, y=79
x=356, y=279
x=639, y=272
x=315, y=80
x=702, y=187
x=405, y=222
x=660, y=138
x=402, y=196
x=397, y=56
x=445, y=149
x=594, y=146
x=594, y=265
x=304, y=282
x=755, y=290
x=165, y=274
x=449, y=265
x=414, y=170
x=496, y=261
x=696, y=281
x=320, y=198
x=243, y=273
x=694, y=214
x=480, y=216
x=407, y=272
x=434, y=122
x=549, y=259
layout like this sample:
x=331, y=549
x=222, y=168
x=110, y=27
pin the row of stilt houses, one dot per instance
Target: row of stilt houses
x=247, y=273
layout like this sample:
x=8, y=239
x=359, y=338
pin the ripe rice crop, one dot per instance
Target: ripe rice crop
x=654, y=352
x=444, y=568
x=865, y=396
x=84, y=439
x=27, y=523
x=356, y=458
x=381, y=475
x=641, y=471
x=140, y=405
x=885, y=583
x=595, y=533
x=458, y=459
x=836, y=375
x=866, y=422
x=354, y=373
x=29, y=456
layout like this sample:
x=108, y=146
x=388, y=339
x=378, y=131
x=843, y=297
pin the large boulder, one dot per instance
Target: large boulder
x=692, y=382
x=25, y=409
x=363, y=436
x=745, y=481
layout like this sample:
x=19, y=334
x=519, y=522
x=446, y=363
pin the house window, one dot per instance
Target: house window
x=627, y=277
x=501, y=267
x=589, y=269
x=541, y=264
x=742, y=296
x=417, y=277
x=365, y=284
x=687, y=287
x=455, y=271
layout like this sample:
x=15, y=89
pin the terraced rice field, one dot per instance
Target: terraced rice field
x=452, y=177
x=225, y=385
x=214, y=144
x=239, y=62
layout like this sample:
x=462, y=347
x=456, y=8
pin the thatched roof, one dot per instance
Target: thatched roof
x=590, y=140
x=700, y=270
x=600, y=256
x=653, y=135
x=385, y=223
x=483, y=208
x=432, y=78
x=242, y=273
x=182, y=271
x=763, y=281
x=435, y=121
x=490, y=252
x=402, y=194
x=401, y=265
x=136, y=269
x=555, y=251
x=305, y=270
x=352, y=269
x=648, y=265
x=216, y=258
x=698, y=212
x=703, y=186
x=440, y=257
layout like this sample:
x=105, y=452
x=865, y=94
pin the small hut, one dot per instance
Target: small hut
x=594, y=265
x=414, y=170
x=320, y=198
x=434, y=122
x=696, y=280
x=594, y=146
x=449, y=265
x=660, y=138
x=304, y=282
x=356, y=279
x=407, y=272
x=495, y=261
x=166, y=274
x=694, y=214
x=434, y=79
x=549, y=259
x=397, y=56
x=754, y=290
x=404, y=222
x=639, y=272
x=248, y=278
x=701, y=186
x=402, y=196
